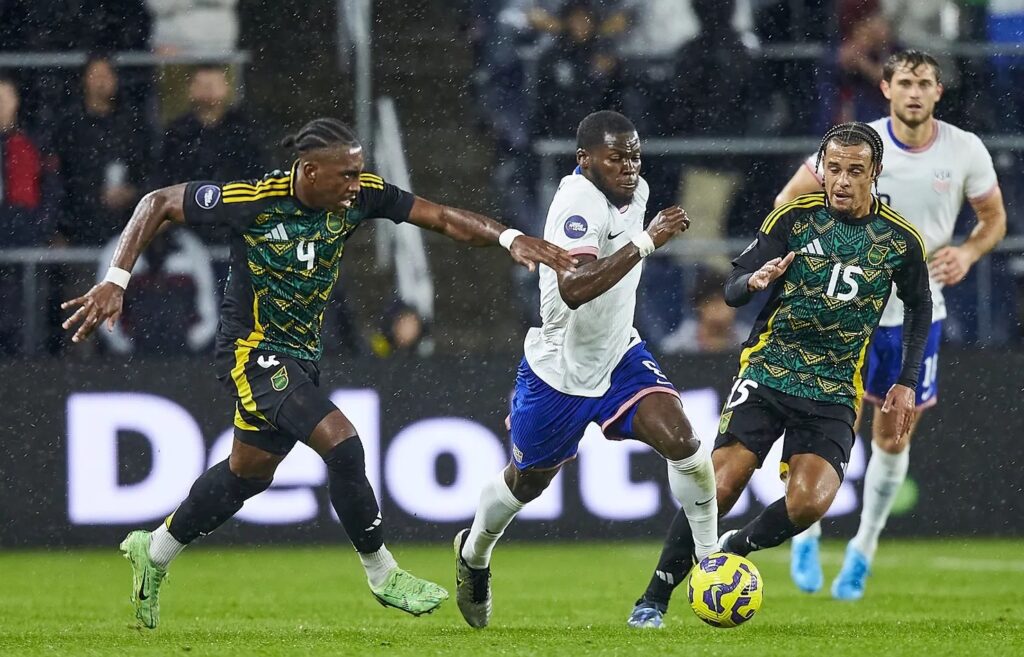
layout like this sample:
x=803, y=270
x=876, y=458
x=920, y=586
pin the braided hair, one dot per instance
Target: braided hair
x=321, y=133
x=852, y=134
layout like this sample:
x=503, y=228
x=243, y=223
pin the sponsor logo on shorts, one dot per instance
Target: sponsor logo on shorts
x=207, y=196
x=575, y=226
x=280, y=379
x=723, y=424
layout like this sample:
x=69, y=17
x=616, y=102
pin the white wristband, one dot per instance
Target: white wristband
x=507, y=235
x=118, y=277
x=643, y=242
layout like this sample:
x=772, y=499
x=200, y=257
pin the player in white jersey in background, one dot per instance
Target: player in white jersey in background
x=586, y=363
x=929, y=168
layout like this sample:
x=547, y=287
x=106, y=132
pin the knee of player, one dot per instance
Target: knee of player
x=805, y=510
x=346, y=458
x=887, y=442
x=254, y=467
x=681, y=446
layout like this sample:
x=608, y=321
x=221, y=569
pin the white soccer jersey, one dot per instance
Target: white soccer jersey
x=928, y=186
x=575, y=351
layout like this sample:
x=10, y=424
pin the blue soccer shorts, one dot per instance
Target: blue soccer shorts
x=885, y=360
x=547, y=425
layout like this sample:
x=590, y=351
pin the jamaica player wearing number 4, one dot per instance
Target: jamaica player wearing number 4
x=828, y=261
x=930, y=168
x=290, y=231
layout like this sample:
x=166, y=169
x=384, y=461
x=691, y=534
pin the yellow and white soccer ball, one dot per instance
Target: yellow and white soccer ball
x=725, y=590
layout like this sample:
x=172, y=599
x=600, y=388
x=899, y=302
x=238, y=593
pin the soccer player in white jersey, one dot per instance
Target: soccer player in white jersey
x=586, y=363
x=929, y=168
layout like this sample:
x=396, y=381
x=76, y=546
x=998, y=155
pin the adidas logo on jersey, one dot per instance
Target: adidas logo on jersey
x=278, y=234
x=813, y=247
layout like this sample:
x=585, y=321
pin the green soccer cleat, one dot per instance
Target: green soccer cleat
x=146, y=578
x=409, y=593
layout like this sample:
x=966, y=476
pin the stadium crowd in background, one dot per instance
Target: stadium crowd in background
x=96, y=136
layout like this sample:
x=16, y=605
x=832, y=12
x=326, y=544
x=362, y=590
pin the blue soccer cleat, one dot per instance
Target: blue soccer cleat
x=805, y=566
x=849, y=583
x=647, y=614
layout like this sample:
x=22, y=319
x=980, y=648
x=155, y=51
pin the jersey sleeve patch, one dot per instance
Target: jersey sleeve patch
x=575, y=227
x=208, y=196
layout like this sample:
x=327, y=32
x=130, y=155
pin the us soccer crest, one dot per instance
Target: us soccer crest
x=280, y=379
x=942, y=180
x=723, y=424
x=876, y=254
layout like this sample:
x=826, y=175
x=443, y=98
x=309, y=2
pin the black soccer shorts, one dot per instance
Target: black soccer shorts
x=759, y=415
x=278, y=400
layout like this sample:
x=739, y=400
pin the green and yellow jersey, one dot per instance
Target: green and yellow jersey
x=811, y=337
x=285, y=256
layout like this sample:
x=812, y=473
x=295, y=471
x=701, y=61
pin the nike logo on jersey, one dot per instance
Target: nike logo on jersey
x=278, y=234
x=611, y=237
x=813, y=247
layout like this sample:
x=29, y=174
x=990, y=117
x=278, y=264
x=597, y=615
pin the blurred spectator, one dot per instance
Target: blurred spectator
x=865, y=43
x=190, y=26
x=24, y=216
x=213, y=141
x=713, y=96
x=580, y=73
x=712, y=326
x=171, y=307
x=401, y=332
x=73, y=25
x=102, y=150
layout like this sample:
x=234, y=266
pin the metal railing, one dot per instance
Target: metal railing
x=684, y=250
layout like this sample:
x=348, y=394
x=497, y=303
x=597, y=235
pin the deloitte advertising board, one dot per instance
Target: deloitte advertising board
x=95, y=449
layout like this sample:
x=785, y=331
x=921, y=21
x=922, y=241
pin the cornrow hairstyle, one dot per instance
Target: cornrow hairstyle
x=852, y=134
x=912, y=59
x=320, y=133
x=595, y=126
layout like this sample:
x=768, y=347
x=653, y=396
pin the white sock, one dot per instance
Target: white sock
x=885, y=475
x=163, y=547
x=378, y=565
x=498, y=506
x=692, y=481
x=812, y=533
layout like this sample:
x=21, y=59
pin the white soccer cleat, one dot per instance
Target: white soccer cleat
x=472, y=587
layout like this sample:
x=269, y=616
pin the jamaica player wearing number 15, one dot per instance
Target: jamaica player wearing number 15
x=290, y=231
x=828, y=261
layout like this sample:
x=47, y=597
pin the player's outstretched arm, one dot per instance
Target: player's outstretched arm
x=742, y=283
x=802, y=182
x=595, y=276
x=103, y=302
x=950, y=264
x=477, y=230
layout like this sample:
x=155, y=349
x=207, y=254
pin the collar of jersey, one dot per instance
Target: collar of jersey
x=907, y=147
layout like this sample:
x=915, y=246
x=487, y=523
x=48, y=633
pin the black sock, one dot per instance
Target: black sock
x=767, y=530
x=216, y=495
x=675, y=561
x=352, y=495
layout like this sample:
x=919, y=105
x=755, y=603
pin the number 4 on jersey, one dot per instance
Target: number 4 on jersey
x=306, y=252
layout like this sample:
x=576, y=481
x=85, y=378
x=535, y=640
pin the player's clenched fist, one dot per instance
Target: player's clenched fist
x=668, y=222
x=768, y=272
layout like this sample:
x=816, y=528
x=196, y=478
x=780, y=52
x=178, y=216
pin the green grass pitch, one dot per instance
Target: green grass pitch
x=932, y=598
